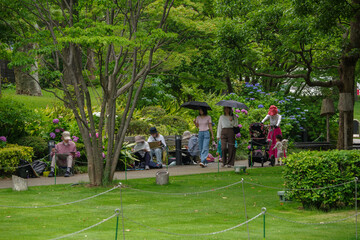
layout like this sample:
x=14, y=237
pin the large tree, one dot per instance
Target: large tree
x=316, y=42
x=124, y=38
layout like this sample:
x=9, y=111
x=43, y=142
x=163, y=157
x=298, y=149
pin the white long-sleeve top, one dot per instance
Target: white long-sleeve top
x=226, y=122
x=274, y=120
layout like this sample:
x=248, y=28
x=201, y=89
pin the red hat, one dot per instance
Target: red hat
x=273, y=110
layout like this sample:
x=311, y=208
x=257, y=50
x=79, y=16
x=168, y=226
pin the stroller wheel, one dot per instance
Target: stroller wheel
x=272, y=160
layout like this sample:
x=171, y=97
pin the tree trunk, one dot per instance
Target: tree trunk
x=228, y=84
x=27, y=83
x=347, y=77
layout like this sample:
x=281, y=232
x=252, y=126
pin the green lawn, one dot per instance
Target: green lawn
x=48, y=99
x=183, y=214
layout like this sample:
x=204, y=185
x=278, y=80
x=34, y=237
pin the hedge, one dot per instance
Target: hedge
x=10, y=157
x=317, y=169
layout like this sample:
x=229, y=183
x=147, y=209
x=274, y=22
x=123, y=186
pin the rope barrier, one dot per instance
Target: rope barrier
x=312, y=223
x=29, y=164
x=194, y=235
x=300, y=189
x=188, y=193
x=62, y=204
x=82, y=230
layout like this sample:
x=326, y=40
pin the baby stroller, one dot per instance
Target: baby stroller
x=259, y=145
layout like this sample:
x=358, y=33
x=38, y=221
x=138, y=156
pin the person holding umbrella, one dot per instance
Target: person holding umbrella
x=203, y=122
x=225, y=132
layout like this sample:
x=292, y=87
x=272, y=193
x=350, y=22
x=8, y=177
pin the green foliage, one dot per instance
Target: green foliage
x=10, y=157
x=138, y=127
x=38, y=144
x=154, y=112
x=14, y=117
x=315, y=169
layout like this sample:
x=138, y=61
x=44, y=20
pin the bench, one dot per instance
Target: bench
x=173, y=142
x=314, y=145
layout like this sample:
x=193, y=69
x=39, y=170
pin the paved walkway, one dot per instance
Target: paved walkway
x=80, y=178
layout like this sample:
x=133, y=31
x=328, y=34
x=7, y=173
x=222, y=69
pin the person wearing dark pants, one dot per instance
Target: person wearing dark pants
x=142, y=151
x=226, y=134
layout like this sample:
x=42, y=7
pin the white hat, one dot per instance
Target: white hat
x=186, y=135
x=66, y=135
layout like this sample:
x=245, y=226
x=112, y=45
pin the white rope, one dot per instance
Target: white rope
x=82, y=230
x=299, y=189
x=187, y=193
x=25, y=165
x=312, y=223
x=62, y=204
x=200, y=234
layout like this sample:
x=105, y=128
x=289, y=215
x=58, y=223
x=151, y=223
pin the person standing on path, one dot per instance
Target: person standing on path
x=225, y=133
x=275, y=120
x=203, y=122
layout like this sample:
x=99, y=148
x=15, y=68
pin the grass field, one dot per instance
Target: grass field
x=48, y=99
x=181, y=214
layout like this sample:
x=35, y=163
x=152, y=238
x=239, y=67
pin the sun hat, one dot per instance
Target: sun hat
x=139, y=139
x=66, y=135
x=153, y=130
x=273, y=110
x=186, y=135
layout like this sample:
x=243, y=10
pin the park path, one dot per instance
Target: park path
x=81, y=178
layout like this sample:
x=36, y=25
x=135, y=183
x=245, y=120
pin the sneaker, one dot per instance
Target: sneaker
x=223, y=165
x=206, y=164
x=229, y=166
x=147, y=167
x=202, y=165
x=51, y=174
x=67, y=174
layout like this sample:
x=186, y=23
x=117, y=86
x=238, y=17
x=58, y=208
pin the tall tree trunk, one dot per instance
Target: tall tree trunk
x=228, y=84
x=347, y=77
x=27, y=83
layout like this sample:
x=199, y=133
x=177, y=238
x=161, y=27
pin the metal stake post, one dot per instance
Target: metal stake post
x=125, y=169
x=55, y=168
x=356, y=223
x=264, y=211
x=246, y=217
x=117, y=212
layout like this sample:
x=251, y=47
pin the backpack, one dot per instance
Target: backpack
x=25, y=170
x=39, y=166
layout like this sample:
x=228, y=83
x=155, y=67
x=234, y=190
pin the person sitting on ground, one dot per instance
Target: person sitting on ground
x=63, y=155
x=160, y=145
x=142, y=151
x=193, y=145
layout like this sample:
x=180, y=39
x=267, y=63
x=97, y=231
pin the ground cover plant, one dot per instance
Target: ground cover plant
x=183, y=214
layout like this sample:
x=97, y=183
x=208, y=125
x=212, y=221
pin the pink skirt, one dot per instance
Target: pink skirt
x=272, y=136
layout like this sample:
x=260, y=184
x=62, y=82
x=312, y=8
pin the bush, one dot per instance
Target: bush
x=13, y=119
x=38, y=144
x=317, y=169
x=175, y=125
x=10, y=157
x=138, y=127
x=154, y=112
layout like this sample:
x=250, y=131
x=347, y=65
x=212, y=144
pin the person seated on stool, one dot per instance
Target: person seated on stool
x=142, y=151
x=157, y=151
x=63, y=154
x=193, y=145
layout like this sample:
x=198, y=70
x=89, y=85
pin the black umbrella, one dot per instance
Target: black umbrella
x=232, y=104
x=196, y=105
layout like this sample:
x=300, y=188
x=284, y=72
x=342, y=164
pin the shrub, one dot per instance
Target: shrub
x=176, y=125
x=38, y=144
x=10, y=157
x=13, y=119
x=138, y=127
x=317, y=169
x=154, y=112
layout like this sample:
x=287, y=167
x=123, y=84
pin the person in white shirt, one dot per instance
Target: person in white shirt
x=142, y=151
x=275, y=120
x=156, y=137
x=225, y=132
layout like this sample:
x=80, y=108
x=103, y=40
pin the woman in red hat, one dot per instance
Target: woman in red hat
x=275, y=120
